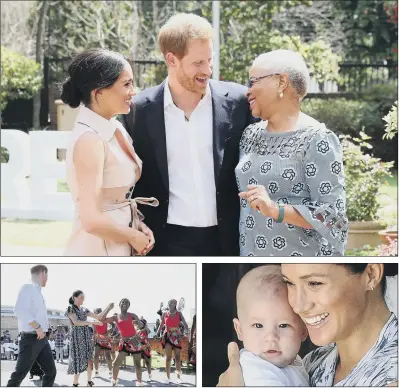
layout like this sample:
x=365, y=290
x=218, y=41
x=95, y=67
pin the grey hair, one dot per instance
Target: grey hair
x=288, y=62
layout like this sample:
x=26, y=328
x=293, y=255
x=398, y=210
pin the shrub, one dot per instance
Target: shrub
x=391, y=119
x=364, y=174
x=390, y=249
x=21, y=77
x=350, y=117
x=339, y=114
x=380, y=99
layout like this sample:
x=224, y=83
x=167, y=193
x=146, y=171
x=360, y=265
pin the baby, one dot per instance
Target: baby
x=270, y=330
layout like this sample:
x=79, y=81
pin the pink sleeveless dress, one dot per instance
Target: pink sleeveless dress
x=120, y=174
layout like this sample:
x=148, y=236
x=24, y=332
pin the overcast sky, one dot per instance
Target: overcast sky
x=145, y=285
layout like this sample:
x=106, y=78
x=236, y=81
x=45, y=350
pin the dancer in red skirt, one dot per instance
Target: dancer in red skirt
x=102, y=343
x=143, y=331
x=171, y=340
x=130, y=342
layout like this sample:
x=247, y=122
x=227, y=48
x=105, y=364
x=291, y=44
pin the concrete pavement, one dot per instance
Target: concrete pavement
x=127, y=377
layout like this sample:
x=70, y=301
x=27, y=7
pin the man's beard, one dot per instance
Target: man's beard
x=188, y=83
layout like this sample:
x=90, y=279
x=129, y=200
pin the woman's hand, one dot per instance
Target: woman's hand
x=259, y=199
x=148, y=232
x=233, y=376
x=139, y=241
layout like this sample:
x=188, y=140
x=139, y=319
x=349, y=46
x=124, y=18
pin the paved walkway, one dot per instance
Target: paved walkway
x=127, y=377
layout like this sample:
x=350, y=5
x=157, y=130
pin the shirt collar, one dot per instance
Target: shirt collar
x=36, y=285
x=105, y=128
x=168, y=100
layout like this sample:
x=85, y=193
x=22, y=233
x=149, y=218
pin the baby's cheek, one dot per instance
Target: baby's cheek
x=251, y=340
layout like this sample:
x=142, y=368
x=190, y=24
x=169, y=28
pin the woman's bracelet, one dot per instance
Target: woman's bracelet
x=281, y=210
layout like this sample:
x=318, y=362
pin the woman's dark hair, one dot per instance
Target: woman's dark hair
x=89, y=70
x=98, y=310
x=75, y=295
x=390, y=269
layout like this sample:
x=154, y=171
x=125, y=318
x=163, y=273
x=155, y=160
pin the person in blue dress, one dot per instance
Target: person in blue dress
x=290, y=172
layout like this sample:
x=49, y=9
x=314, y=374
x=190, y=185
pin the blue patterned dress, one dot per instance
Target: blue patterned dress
x=82, y=345
x=378, y=368
x=303, y=168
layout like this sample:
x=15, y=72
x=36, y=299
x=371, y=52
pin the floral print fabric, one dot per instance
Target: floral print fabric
x=303, y=168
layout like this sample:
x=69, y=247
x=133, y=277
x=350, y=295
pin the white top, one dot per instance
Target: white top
x=30, y=306
x=258, y=372
x=189, y=147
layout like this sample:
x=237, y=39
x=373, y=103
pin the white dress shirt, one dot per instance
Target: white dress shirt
x=30, y=306
x=189, y=147
x=258, y=372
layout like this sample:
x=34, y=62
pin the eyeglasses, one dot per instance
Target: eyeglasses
x=253, y=80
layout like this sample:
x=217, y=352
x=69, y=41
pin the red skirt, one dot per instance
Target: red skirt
x=146, y=352
x=173, y=336
x=133, y=345
x=103, y=342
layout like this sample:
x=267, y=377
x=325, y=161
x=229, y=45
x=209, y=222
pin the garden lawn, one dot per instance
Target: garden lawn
x=38, y=233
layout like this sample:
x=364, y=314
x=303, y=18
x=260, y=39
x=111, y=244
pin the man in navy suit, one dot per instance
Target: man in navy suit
x=187, y=130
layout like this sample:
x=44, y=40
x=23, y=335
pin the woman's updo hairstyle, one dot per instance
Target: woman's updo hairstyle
x=390, y=269
x=89, y=70
x=75, y=295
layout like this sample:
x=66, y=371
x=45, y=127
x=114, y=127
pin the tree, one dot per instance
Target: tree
x=39, y=59
x=243, y=38
x=20, y=77
x=15, y=32
x=370, y=35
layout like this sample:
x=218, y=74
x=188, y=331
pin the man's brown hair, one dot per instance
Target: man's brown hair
x=176, y=33
x=38, y=269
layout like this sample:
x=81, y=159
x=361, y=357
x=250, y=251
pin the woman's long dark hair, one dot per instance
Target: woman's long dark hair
x=390, y=269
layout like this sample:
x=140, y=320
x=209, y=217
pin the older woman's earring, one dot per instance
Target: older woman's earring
x=281, y=94
x=372, y=288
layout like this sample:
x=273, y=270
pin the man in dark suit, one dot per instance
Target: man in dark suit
x=187, y=131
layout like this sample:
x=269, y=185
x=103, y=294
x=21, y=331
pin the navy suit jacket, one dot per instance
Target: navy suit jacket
x=146, y=125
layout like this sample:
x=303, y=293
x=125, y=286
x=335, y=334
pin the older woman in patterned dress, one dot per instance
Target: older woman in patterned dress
x=290, y=173
x=82, y=345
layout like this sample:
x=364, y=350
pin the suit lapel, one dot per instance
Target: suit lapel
x=155, y=120
x=221, y=108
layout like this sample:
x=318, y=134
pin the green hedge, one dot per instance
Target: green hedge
x=348, y=117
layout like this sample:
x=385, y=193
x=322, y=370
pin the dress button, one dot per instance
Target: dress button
x=218, y=193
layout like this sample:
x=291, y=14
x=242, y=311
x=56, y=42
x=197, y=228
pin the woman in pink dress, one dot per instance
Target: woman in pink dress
x=102, y=166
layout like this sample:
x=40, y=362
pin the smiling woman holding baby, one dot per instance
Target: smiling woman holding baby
x=345, y=314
